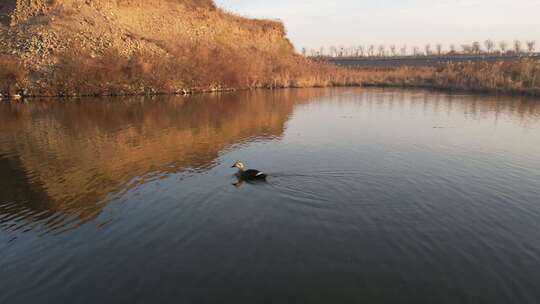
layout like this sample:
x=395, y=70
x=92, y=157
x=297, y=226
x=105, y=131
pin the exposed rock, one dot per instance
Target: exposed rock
x=40, y=32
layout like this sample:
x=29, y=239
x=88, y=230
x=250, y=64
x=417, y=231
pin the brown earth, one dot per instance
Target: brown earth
x=123, y=47
x=47, y=38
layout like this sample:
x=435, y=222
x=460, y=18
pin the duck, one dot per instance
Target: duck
x=248, y=175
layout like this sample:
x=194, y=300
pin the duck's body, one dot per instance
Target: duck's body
x=251, y=175
x=248, y=175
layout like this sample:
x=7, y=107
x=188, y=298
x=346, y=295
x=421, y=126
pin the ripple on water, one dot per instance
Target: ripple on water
x=366, y=197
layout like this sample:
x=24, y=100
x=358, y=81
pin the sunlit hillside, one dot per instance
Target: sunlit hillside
x=106, y=47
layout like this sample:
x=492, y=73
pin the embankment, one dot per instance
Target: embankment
x=519, y=77
x=98, y=47
x=124, y=47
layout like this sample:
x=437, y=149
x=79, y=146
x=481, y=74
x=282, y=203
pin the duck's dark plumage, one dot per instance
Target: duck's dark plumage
x=248, y=174
x=252, y=174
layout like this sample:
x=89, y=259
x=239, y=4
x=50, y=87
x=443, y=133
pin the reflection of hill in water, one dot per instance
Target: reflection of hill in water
x=67, y=157
x=61, y=160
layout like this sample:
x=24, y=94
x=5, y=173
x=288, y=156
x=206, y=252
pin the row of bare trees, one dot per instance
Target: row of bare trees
x=488, y=47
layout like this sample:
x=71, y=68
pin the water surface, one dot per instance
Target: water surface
x=374, y=196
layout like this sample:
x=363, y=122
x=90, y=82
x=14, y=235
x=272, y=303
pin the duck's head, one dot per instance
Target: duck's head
x=239, y=165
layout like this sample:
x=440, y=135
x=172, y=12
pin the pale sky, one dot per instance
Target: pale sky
x=315, y=23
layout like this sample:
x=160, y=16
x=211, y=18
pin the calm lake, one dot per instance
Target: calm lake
x=373, y=196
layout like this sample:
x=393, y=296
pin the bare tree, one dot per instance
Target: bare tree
x=341, y=51
x=531, y=45
x=439, y=48
x=517, y=46
x=352, y=51
x=503, y=46
x=403, y=50
x=371, y=50
x=489, y=45
x=333, y=51
x=416, y=51
x=362, y=50
x=321, y=51
x=393, y=50
x=428, y=49
x=452, y=48
x=381, y=50
x=466, y=49
x=476, y=49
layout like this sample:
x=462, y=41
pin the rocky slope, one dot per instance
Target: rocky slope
x=120, y=47
x=60, y=47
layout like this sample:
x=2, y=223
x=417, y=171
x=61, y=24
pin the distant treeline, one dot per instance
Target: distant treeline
x=488, y=47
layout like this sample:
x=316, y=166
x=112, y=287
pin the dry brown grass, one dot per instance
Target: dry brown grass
x=79, y=73
x=518, y=77
x=204, y=68
x=12, y=75
x=170, y=46
x=521, y=77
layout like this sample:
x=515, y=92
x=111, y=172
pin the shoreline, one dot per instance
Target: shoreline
x=197, y=91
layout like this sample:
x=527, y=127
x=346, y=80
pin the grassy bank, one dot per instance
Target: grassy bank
x=166, y=47
x=520, y=77
x=188, y=70
x=131, y=47
x=79, y=74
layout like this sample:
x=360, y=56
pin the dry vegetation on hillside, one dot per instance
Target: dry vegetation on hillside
x=100, y=47
x=128, y=46
x=12, y=75
x=521, y=77
x=518, y=77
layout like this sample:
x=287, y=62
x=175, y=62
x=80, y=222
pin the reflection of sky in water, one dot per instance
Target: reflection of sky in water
x=64, y=162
